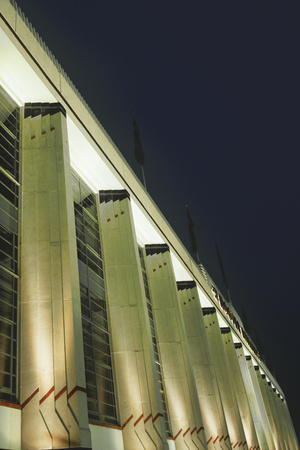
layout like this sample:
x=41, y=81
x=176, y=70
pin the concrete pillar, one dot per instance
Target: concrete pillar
x=184, y=412
x=261, y=406
x=277, y=403
x=227, y=391
x=205, y=376
x=242, y=359
x=270, y=410
x=287, y=429
x=239, y=388
x=287, y=432
x=291, y=438
x=139, y=410
x=52, y=380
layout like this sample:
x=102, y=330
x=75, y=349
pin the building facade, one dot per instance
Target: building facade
x=111, y=336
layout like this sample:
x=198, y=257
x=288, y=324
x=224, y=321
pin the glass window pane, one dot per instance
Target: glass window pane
x=98, y=363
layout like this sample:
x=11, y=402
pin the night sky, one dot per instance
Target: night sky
x=215, y=88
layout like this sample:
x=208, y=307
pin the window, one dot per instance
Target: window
x=155, y=346
x=9, y=200
x=95, y=326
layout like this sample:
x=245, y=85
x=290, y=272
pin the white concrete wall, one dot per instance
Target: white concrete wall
x=10, y=428
x=171, y=444
x=104, y=438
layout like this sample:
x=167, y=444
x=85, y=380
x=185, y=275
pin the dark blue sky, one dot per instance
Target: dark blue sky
x=215, y=90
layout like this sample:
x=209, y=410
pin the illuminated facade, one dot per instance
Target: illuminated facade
x=111, y=337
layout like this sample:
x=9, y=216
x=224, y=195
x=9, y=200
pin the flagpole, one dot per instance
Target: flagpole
x=193, y=240
x=144, y=179
x=223, y=273
x=138, y=148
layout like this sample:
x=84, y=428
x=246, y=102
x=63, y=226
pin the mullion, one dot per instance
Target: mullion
x=97, y=348
x=93, y=349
